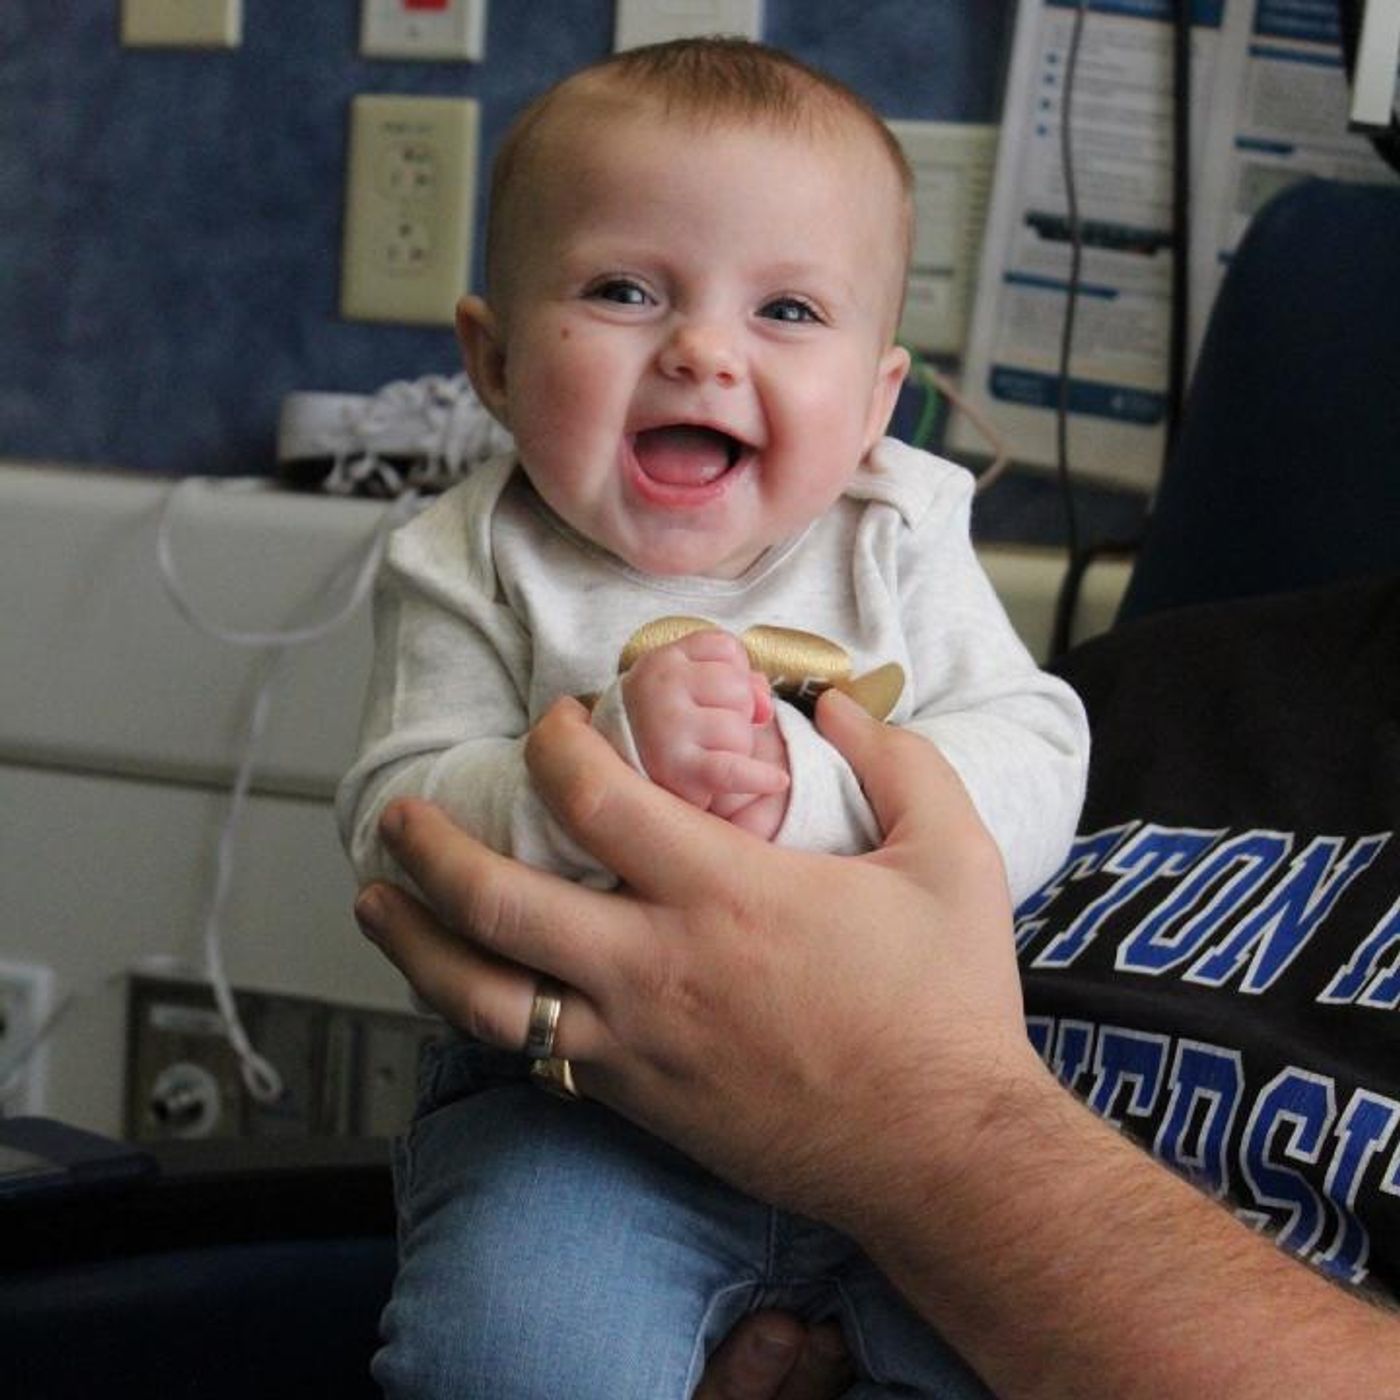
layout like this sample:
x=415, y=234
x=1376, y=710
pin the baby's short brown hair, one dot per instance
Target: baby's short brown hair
x=712, y=80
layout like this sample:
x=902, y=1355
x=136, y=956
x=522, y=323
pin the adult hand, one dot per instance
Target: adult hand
x=830, y=1033
x=844, y=1037
x=773, y=1356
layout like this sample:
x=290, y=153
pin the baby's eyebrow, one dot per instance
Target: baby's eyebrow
x=800, y=269
x=612, y=247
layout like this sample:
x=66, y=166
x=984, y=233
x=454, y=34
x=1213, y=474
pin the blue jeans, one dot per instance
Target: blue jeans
x=552, y=1251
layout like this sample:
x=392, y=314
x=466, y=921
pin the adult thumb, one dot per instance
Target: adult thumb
x=915, y=793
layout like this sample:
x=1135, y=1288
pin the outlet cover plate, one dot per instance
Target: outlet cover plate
x=194, y=24
x=428, y=29
x=410, y=204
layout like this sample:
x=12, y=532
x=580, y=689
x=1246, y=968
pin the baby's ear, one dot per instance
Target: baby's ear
x=889, y=376
x=483, y=354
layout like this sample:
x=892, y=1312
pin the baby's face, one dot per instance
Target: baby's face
x=692, y=343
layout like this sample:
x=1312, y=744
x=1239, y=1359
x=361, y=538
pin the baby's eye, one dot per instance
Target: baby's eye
x=621, y=290
x=793, y=310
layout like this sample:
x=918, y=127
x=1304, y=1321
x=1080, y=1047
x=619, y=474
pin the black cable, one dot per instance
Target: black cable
x=1069, y=588
x=1080, y=556
x=1181, y=220
x=1076, y=262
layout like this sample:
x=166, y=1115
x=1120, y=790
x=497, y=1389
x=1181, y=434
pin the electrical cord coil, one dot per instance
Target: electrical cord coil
x=262, y=1078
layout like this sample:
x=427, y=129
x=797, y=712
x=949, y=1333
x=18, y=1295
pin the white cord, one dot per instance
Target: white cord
x=293, y=636
x=1000, y=455
x=262, y=1078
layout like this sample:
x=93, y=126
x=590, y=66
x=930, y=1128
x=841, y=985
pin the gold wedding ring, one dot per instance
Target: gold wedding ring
x=544, y=1019
x=555, y=1075
x=551, y=1072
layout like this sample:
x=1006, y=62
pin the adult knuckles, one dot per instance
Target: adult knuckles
x=415, y=847
x=490, y=911
x=573, y=792
x=485, y=1023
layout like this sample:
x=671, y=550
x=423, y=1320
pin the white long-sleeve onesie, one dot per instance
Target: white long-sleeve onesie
x=489, y=608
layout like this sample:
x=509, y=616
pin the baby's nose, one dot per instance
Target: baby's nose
x=702, y=352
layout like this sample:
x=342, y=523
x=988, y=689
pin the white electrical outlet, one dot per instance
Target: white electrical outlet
x=953, y=164
x=429, y=29
x=410, y=201
x=654, y=21
x=26, y=995
x=182, y=23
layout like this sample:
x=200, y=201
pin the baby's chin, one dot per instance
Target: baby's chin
x=688, y=559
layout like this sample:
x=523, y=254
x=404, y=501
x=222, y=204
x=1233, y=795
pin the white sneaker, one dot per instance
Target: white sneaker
x=421, y=435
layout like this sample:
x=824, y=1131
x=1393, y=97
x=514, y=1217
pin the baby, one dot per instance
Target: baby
x=695, y=265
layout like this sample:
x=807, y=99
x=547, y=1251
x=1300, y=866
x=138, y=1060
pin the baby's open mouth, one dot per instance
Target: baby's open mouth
x=684, y=454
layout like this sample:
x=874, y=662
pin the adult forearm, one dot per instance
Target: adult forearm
x=1063, y=1261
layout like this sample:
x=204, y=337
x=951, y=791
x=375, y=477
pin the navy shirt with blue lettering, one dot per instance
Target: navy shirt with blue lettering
x=1216, y=968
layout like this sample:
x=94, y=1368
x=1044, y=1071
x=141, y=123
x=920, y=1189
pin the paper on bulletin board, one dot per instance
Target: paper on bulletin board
x=1268, y=107
x=953, y=163
x=1280, y=115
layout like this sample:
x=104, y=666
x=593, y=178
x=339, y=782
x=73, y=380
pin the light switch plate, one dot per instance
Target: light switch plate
x=953, y=164
x=654, y=21
x=426, y=29
x=194, y=24
x=410, y=201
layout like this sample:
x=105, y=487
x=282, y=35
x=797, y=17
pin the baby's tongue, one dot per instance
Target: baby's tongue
x=682, y=456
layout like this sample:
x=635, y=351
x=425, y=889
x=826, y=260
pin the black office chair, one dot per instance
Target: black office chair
x=1286, y=471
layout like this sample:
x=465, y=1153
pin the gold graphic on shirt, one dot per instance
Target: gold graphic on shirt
x=799, y=665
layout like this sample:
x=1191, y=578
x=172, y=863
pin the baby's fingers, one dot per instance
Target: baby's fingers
x=762, y=698
x=723, y=772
